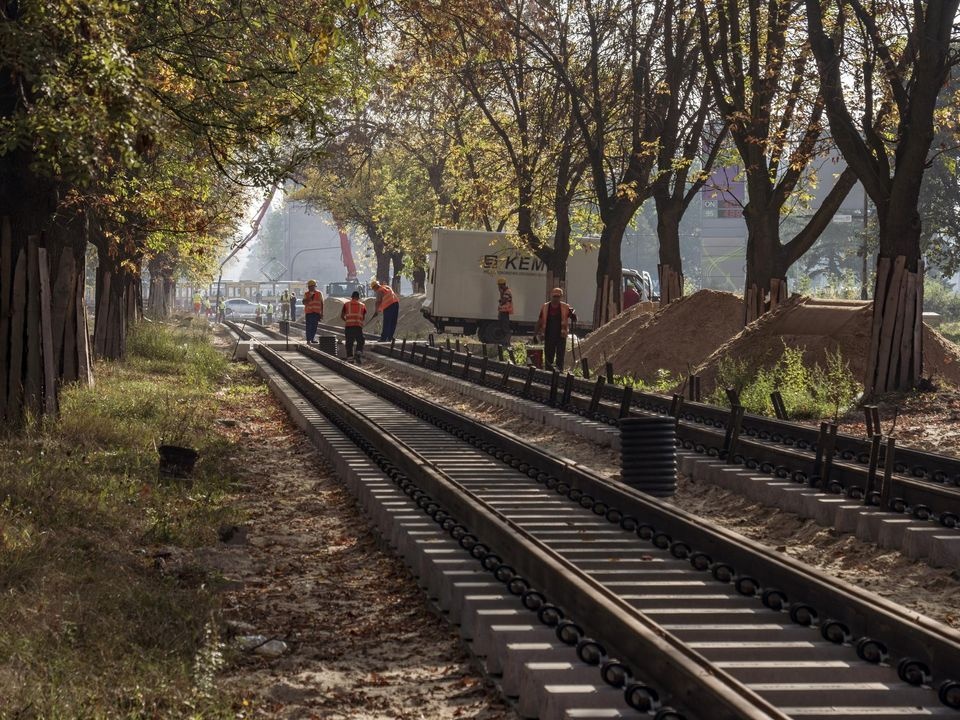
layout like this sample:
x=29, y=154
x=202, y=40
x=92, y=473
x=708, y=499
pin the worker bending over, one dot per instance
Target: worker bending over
x=388, y=304
x=353, y=314
x=312, y=310
x=554, y=325
x=504, y=309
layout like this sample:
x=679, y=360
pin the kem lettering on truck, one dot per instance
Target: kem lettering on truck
x=524, y=263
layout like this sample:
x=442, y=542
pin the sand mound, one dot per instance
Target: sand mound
x=675, y=338
x=611, y=337
x=820, y=326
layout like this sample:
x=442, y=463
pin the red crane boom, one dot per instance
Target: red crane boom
x=347, y=255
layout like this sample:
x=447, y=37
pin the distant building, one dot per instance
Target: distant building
x=310, y=245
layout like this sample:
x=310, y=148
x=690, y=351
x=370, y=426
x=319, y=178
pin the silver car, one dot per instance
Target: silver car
x=242, y=309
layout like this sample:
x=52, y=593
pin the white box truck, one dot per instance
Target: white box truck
x=461, y=286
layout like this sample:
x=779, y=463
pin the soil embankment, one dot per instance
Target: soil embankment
x=680, y=336
x=819, y=326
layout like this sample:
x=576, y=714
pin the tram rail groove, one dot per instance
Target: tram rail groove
x=564, y=584
x=703, y=428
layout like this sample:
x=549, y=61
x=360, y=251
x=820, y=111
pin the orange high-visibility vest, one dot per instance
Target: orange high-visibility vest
x=564, y=319
x=313, y=302
x=386, y=297
x=353, y=313
x=506, y=301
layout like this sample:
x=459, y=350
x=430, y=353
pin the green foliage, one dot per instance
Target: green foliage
x=808, y=392
x=939, y=298
x=664, y=381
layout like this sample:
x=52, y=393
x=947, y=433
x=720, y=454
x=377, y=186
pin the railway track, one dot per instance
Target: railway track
x=782, y=450
x=921, y=484
x=674, y=619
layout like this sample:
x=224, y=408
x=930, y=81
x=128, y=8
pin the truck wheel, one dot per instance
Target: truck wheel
x=485, y=332
x=491, y=332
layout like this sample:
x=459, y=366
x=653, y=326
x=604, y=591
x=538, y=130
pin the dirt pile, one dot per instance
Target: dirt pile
x=675, y=338
x=819, y=326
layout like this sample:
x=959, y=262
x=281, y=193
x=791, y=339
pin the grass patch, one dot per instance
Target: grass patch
x=91, y=628
x=951, y=331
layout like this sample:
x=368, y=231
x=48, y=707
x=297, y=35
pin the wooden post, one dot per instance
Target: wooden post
x=46, y=335
x=6, y=280
x=17, y=315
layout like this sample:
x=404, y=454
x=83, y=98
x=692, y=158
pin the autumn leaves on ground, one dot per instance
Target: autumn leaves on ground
x=122, y=596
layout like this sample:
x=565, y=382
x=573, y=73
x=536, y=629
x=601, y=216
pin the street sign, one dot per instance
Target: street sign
x=273, y=270
x=843, y=218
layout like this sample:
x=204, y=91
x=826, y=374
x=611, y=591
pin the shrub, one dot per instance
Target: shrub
x=938, y=298
x=808, y=392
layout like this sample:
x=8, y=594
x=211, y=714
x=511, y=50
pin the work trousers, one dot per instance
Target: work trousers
x=311, y=320
x=554, y=348
x=390, y=316
x=354, y=335
x=504, y=320
x=293, y=312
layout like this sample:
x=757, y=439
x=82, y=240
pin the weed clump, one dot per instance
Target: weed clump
x=809, y=392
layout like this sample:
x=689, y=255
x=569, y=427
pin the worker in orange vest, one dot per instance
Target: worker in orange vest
x=312, y=310
x=353, y=314
x=554, y=325
x=389, y=304
x=504, y=309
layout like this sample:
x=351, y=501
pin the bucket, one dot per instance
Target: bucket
x=176, y=461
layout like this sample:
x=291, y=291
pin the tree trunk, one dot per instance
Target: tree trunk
x=397, y=260
x=419, y=281
x=118, y=305
x=766, y=282
x=609, y=298
x=163, y=288
x=43, y=333
x=670, y=269
x=556, y=259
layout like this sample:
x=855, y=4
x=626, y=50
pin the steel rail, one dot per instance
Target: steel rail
x=629, y=633
x=787, y=453
x=907, y=634
x=921, y=643
x=632, y=637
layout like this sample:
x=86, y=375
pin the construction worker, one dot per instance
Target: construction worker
x=353, y=314
x=389, y=304
x=285, y=305
x=312, y=309
x=554, y=325
x=504, y=309
x=197, y=303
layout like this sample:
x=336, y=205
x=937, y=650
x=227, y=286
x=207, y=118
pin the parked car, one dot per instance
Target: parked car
x=242, y=309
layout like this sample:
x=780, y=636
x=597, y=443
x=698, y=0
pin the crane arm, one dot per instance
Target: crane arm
x=347, y=254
